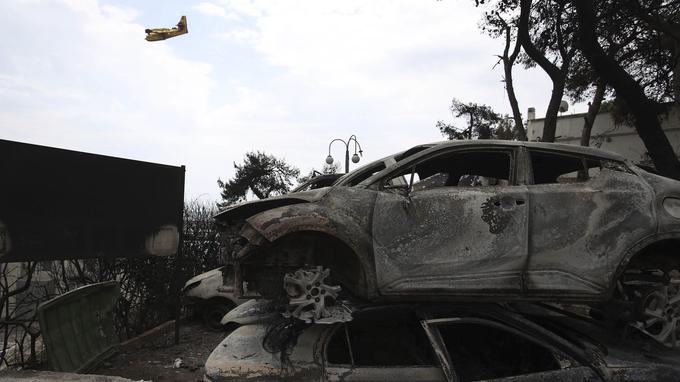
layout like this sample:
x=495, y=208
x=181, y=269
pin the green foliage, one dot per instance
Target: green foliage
x=643, y=36
x=482, y=123
x=260, y=174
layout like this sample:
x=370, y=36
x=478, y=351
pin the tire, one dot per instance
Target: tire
x=212, y=313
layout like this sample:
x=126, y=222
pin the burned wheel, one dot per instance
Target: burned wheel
x=311, y=298
x=656, y=298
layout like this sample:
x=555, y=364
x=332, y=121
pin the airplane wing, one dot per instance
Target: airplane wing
x=157, y=34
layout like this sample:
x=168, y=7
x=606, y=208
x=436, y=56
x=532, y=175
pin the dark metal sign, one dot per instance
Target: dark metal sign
x=62, y=204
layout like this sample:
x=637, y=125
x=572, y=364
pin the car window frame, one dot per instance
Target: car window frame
x=584, y=158
x=322, y=355
x=430, y=325
x=379, y=184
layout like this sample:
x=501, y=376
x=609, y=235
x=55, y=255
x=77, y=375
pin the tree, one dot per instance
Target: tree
x=641, y=96
x=549, y=42
x=655, y=44
x=630, y=46
x=260, y=174
x=496, y=26
x=482, y=122
x=593, y=110
x=545, y=31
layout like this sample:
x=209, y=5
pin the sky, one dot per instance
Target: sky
x=283, y=77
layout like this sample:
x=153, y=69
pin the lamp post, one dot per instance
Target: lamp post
x=355, y=157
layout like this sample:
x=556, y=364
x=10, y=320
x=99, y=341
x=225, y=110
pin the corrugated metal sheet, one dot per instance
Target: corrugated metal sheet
x=77, y=327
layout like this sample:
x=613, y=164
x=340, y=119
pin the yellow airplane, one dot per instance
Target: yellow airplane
x=157, y=34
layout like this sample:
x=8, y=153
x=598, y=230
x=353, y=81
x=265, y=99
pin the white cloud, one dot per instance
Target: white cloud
x=81, y=76
x=212, y=9
x=250, y=8
x=283, y=77
x=240, y=35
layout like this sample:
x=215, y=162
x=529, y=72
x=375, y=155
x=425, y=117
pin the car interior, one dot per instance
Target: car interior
x=477, y=168
x=397, y=339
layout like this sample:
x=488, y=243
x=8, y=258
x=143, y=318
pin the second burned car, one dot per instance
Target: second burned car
x=473, y=220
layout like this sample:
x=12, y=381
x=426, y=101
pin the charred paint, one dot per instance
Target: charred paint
x=560, y=241
x=495, y=213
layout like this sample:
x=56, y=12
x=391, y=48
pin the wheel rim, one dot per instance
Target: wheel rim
x=309, y=295
x=659, y=315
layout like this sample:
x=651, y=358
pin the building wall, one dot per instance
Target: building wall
x=622, y=139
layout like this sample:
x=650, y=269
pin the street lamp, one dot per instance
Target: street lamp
x=355, y=157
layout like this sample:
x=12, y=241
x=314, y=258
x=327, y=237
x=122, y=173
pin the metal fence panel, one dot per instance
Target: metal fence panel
x=77, y=327
x=62, y=204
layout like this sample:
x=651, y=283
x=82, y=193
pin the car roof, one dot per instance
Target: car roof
x=582, y=150
x=557, y=147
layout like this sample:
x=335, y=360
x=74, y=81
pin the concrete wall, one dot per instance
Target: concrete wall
x=621, y=139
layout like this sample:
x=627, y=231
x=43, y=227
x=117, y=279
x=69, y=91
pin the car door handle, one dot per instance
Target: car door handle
x=519, y=202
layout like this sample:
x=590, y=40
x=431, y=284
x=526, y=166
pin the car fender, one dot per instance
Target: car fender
x=276, y=223
x=269, y=226
x=635, y=249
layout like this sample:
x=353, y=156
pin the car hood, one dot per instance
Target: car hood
x=252, y=312
x=247, y=209
x=203, y=276
x=242, y=356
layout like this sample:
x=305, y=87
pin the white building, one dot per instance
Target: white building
x=621, y=139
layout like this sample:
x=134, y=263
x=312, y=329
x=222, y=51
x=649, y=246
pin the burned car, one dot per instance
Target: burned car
x=210, y=294
x=473, y=220
x=408, y=342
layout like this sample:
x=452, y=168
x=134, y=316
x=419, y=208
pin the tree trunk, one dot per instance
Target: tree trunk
x=508, y=62
x=556, y=74
x=676, y=73
x=593, y=109
x=644, y=110
x=516, y=114
x=550, y=122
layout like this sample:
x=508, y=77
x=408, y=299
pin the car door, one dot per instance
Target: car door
x=476, y=349
x=585, y=212
x=460, y=229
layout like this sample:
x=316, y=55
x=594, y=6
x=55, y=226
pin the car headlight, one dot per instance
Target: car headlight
x=672, y=207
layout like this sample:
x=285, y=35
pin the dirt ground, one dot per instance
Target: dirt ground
x=156, y=358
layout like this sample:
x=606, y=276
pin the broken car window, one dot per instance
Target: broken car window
x=484, y=352
x=478, y=168
x=381, y=340
x=556, y=168
x=359, y=175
